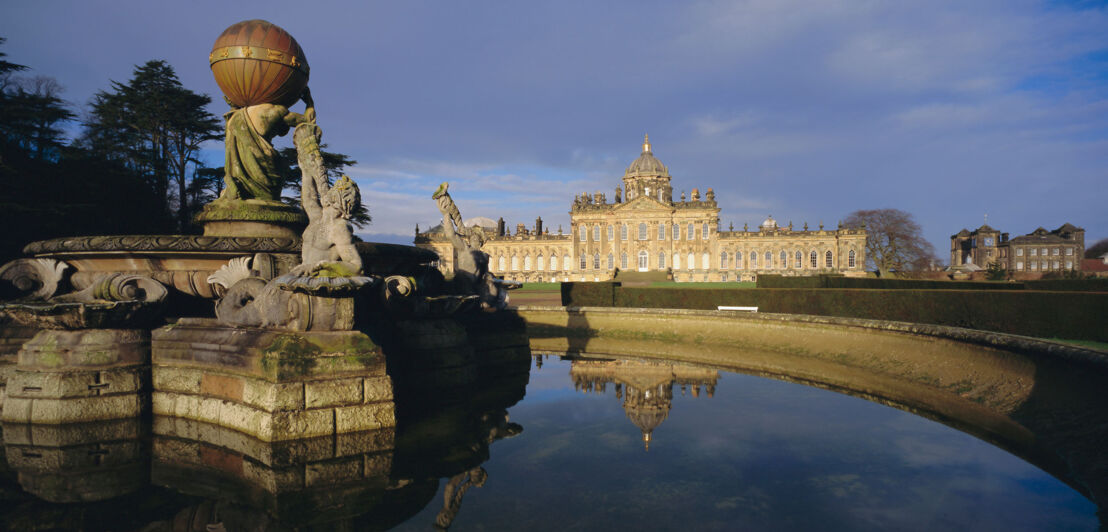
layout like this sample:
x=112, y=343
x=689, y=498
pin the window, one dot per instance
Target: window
x=705, y=259
x=1034, y=265
x=623, y=231
x=1034, y=251
x=540, y=263
x=1054, y=265
x=554, y=262
x=1045, y=265
x=611, y=233
x=738, y=260
x=515, y=263
x=850, y=259
x=769, y=260
x=676, y=232
x=500, y=263
x=704, y=230
x=596, y=261
x=1056, y=252
x=1019, y=265
x=691, y=262
x=583, y=232
x=527, y=263
x=753, y=260
x=689, y=231
x=567, y=264
x=623, y=261
x=1069, y=264
x=812, y=260
x=676, y=261
x=798, y=261
x=661, y=260
x=596, y=233
x=723, y=260
x=828, y=259
x=611, y=261
x=1019, y=252
x=784, y=259
x=642, y=260
x=642, y=231
x=661, y=231
x=584, y=262
x=1069, y=251
x=988, y=241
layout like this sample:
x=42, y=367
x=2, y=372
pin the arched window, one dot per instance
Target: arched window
x=611, y=261
x=596, y=233
x=527, y=262
x=828, y=259
x=661, y=231
x=850, y=259
x=704, y=230
x=769, y=261
x=753, y=260
x=623, y=261
x=676, y=261
x=623, y=231
x=584, y=262
x=554, y=262
x=567, y=263
x=500, y=263
x=642, y=231
x=723, y=260
x=662, y=259
x=596, y=261
x=738, y=260
x=799, y=261
x=643, y=257
x=689, y=231
x=691, y=263
x=583, y=232
x=705, y=261
x=540, y=263
x=515, y=263
x=812, y=261
x=611, y=233
x=784, y=259
x=676, y=232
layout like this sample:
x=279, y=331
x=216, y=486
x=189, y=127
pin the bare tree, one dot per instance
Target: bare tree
x=894, y=241
x=1096, y=250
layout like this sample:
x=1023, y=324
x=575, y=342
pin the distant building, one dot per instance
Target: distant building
x=1030, y=255
x=650, y=231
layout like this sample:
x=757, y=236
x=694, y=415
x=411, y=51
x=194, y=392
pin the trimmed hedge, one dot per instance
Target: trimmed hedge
x=1083, y=285
x=838, y=281
x=1077, y=316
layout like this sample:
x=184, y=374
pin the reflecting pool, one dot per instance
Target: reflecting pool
x=585, y=442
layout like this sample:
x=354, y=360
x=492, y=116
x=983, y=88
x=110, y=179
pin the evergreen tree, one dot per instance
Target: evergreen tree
x=334, y=163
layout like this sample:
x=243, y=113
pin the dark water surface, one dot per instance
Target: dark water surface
x=594, y=444
x=759, y=454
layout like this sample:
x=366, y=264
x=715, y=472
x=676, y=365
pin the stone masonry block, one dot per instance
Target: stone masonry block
x=377, y=389
x=56, y=411
x=333, y=471
x=61, y=349
x=295, y=425
x=60, y=385
x=365, y=417
x=273, y=397
x=332, y=392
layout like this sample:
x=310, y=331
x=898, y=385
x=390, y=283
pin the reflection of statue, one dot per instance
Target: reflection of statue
x=471, y=265
x=328, y=241
x=252, y=168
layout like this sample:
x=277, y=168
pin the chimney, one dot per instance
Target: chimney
x=538, y=225
x=500, y=227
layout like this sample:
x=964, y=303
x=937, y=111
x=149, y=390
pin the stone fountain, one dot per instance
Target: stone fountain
x=310, y=327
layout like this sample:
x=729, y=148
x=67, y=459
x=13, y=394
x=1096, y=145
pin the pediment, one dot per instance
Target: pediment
x=643, y=203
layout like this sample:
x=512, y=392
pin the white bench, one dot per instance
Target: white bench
x=742, y=309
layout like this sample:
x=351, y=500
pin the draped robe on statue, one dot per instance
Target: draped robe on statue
x=253, y=169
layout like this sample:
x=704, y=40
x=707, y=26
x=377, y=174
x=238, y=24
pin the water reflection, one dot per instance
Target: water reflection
x=644, y=387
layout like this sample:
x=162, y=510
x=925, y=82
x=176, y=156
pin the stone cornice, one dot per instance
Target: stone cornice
x=162, y=243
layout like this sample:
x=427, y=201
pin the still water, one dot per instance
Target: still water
x=583, y=444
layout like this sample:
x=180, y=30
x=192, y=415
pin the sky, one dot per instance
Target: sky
x=804, y=110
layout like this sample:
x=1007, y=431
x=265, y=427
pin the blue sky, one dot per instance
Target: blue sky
x=806, y=110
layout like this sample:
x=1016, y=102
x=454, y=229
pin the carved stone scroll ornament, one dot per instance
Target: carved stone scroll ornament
x=118, y=287
x=31, y=279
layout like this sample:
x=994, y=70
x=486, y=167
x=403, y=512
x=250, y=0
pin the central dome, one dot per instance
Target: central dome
x=647, y=164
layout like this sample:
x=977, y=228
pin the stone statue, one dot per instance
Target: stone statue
x=252, y=167
x=328, y=242
x=471, y=265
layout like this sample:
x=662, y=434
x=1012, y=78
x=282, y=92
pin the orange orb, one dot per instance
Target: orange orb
x=257, y=62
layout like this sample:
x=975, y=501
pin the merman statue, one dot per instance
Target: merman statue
x=471, y=265
x=328, y=242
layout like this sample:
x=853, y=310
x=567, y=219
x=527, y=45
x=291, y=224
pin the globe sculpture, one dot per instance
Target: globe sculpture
x=256, y=62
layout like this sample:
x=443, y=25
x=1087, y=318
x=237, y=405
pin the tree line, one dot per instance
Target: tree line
x=132, y=168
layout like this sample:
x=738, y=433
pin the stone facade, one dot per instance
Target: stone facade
x=1033, y=254
x=648, y=230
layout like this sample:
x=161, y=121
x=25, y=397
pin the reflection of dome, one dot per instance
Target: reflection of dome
x=647, y=164
x=769, y=223
x=647, y=418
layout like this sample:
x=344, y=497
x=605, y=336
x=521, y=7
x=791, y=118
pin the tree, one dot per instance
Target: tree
x=33, y=115
x=334, y=163
x=894, y=242
x=1097, y=249
x=155, y=126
